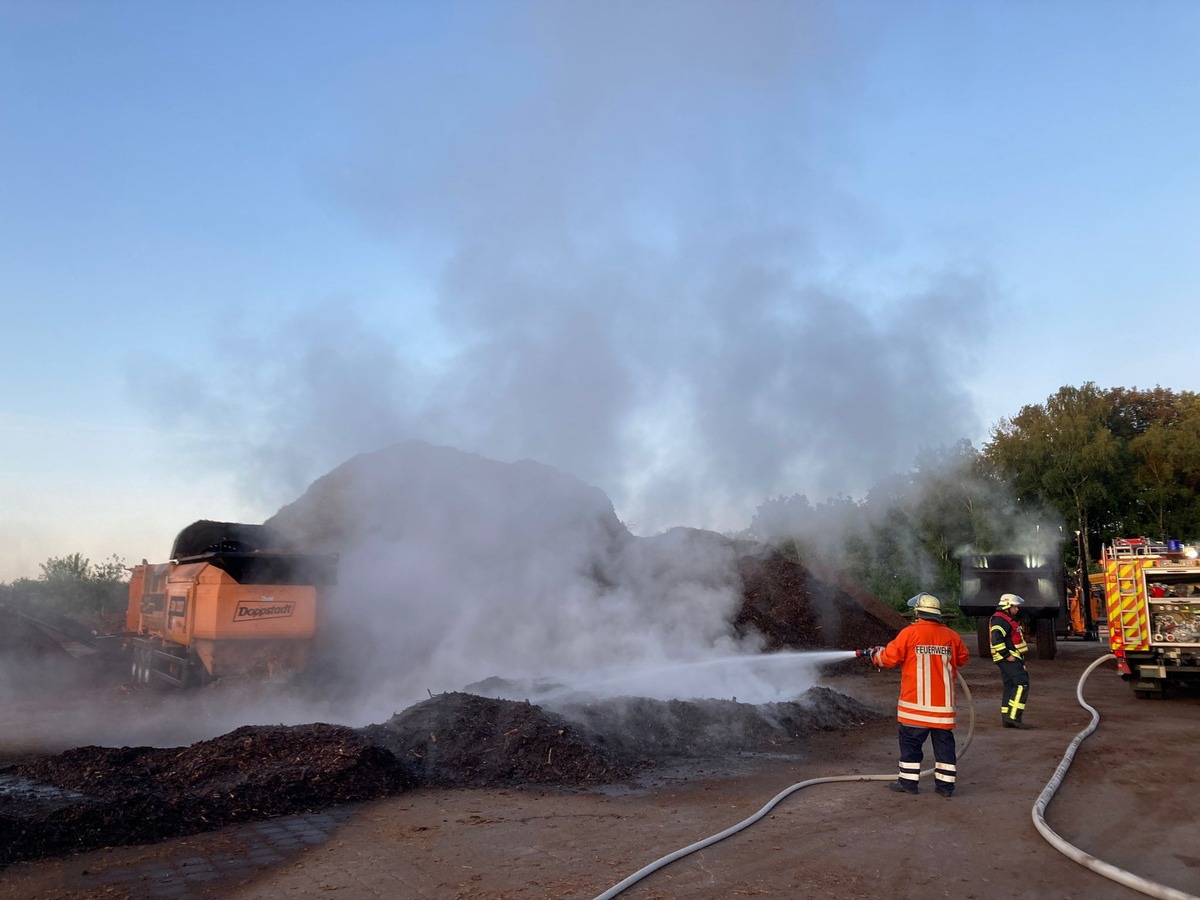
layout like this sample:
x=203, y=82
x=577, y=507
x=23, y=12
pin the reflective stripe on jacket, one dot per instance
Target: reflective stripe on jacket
x=1006, y=637
x=929, y=654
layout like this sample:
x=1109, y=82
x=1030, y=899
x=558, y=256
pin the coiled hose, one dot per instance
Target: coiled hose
x=746, y=823
x=1145, y=886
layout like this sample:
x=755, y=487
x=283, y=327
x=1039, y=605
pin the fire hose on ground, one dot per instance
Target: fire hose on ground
x=1098, y=866
x=746, y=823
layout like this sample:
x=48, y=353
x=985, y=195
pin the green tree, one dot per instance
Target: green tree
x=73, y=584
x=1164, y=463
x=1156, y=475
x=1060, y=453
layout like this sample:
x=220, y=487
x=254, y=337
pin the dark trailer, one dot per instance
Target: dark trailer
x=1040, y=580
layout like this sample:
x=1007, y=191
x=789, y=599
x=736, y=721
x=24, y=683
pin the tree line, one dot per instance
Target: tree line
x=1086, y=466
x=72, y=585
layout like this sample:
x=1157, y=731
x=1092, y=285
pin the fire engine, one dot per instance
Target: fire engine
x=1152, y=592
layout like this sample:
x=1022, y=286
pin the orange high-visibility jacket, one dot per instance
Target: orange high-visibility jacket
x=929, y=654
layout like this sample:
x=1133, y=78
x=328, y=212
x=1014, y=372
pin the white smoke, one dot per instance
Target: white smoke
x=636, y=258
x=455, y=569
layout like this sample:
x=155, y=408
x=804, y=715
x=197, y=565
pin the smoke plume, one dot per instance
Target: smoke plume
x=635, y=256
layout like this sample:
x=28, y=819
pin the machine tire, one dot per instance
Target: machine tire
x=1047, y=640
x=983, y=632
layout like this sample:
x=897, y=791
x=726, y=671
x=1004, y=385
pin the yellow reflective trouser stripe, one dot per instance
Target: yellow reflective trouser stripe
x=945, y=772
x=910, y=771
x=1015, y=705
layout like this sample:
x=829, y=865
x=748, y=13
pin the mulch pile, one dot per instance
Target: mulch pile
x=102, y=796
x=93, y=797
x=639, y=732
x=464, y=740
x=798, y=607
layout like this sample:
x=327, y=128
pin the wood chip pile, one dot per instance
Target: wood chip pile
x=93, y=797
x=103, y=796
x=800, y=607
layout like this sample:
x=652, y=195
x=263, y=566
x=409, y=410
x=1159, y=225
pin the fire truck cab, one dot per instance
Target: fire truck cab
x=1152, y=592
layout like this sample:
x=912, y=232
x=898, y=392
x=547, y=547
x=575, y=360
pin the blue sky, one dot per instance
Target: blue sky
x=697, y=254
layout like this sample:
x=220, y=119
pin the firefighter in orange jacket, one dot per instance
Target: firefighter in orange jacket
x=929, y=655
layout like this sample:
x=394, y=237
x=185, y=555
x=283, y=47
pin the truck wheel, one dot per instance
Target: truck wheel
x=983, y=632
x=1047, y=641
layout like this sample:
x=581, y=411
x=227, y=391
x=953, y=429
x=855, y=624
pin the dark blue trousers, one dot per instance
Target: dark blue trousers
x=1016, y=690
x=912, y=741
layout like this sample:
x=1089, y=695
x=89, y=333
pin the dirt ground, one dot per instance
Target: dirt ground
x=1129, y=799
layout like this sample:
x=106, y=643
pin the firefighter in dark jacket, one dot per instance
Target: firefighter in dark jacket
x=1008, y=653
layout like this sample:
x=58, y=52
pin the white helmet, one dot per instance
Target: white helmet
x=1009, y=601
x=926, y=606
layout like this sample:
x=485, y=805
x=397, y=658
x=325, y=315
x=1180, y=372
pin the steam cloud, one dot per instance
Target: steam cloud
x=633, y=260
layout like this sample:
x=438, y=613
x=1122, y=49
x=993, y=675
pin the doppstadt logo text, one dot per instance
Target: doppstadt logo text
x=251, y=613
